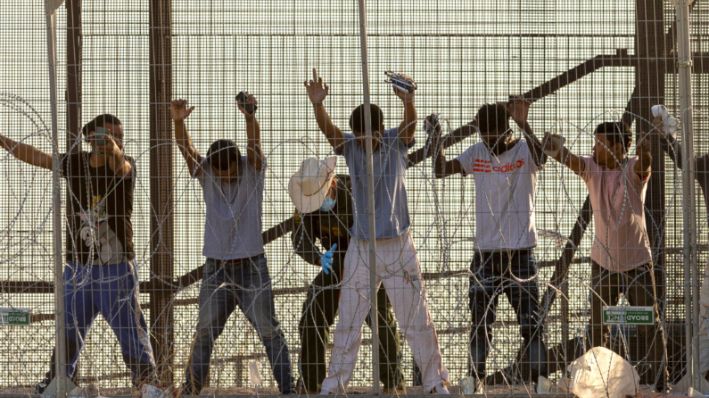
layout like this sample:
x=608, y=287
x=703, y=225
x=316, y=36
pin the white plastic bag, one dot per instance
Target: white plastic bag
x=601, y=372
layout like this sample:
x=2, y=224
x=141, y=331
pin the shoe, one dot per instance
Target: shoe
x=41, y=386
x=440, y=389
x=338, y=391
x=48, y=388
x=151, y=391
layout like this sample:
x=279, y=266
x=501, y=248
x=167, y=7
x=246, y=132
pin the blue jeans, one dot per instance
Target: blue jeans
x=112, y=291
x=225, y=285
x=514, y=273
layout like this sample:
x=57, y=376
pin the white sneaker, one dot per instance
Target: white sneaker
x=151, y=391
x=339, y=389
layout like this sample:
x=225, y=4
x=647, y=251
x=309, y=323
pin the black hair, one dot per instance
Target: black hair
x=615, y=132
x=357, y=118
x=99, y=121
x=222, y=153
x=493, y=118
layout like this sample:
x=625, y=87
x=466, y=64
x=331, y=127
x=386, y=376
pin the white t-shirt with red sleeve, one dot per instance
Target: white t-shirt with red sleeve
x=504, y=200
x=617, y=196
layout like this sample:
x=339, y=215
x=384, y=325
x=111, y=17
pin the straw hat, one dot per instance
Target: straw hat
x=309, y=186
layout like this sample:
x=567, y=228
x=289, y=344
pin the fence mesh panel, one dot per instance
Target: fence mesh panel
x=579, y=63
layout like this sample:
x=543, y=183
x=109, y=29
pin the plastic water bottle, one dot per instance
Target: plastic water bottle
x=254, y=373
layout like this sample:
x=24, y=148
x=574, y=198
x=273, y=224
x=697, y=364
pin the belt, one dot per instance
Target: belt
x=240, y=261
x=505, y=252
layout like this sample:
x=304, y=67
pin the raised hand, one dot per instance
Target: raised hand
x=316, y=88
x=405, y=95
x=326, y=259
x=433, y=129
x=552, y=144
x=657, y=127
x=179, y=109
x=249, y=106
x=432, y=125
x=109, y=146
x=663, y=122
x=518, y=108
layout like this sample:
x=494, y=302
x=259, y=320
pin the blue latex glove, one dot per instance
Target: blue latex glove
x=326, y=259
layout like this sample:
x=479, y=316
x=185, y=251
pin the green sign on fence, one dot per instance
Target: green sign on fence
x=628, y=315
x=14, y=316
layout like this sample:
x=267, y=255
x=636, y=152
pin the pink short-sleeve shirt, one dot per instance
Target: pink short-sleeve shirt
x=618, y=199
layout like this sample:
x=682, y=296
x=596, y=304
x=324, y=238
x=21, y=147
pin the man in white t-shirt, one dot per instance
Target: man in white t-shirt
x=505, y=173
x=621, y=258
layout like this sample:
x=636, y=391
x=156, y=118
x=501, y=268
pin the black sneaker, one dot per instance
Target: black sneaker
x=41, y=386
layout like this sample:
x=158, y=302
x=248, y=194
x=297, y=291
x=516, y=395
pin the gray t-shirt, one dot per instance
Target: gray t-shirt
x=232, y=228
x=390, y=201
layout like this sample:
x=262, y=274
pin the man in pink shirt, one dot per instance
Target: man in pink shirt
x=620, y=256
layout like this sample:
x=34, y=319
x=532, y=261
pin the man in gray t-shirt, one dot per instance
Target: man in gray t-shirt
x=397, y=266
x=235, y=273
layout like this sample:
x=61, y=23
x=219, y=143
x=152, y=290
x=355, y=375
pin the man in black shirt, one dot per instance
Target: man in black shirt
x=100, y=275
